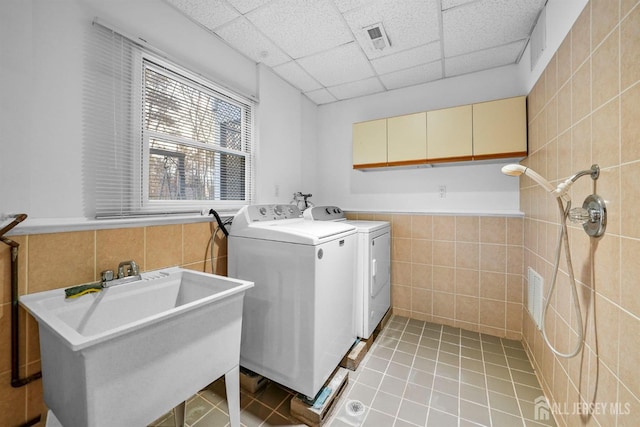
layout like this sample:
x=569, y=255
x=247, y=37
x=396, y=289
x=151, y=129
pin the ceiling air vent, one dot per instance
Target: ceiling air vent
x=377, y=35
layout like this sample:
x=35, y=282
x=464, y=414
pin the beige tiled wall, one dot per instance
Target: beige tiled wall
x=457, y=270
x=50, y=261
x=463, y=271
x=585, y=109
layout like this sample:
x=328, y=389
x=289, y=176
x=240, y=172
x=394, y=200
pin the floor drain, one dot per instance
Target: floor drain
x=354, y=408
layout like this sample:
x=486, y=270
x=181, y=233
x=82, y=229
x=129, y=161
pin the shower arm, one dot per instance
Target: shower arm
x=563, y=187
x=594, y=171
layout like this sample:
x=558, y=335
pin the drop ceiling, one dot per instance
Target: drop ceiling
x=322, y=47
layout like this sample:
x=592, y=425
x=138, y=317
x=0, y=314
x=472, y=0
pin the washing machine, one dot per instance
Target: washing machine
x=296, y=324
x=373, y=271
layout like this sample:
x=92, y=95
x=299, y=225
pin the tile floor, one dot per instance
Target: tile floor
x=415, y=374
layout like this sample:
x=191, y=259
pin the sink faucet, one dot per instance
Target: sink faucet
x=132, y=269
x=128, y=272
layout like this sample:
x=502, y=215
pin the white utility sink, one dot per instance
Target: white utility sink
x=129, y=353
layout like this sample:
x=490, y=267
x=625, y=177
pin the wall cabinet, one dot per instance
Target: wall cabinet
x=487, y=130
x=370, y=143
x=500, y=128
x=407, y=139
x=449, y=134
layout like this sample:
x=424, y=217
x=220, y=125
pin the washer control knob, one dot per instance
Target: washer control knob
x=278, y=210
x=328, y=211
x=263, y=211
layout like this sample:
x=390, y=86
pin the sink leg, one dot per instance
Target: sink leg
x=232, y=383
x=179, y=414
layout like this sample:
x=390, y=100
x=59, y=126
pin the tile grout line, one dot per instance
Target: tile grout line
x=385, y=373
x=459, y=376
x=433, y=381
x=486, y=383
x=411, y=368
x=412, y=361
x=513, y=384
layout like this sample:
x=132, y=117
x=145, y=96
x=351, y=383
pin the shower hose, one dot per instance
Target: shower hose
x=563, y=238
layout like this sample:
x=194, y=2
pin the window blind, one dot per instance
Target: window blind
x=161, y=139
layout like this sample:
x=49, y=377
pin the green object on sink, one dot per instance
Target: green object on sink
x=78, y=291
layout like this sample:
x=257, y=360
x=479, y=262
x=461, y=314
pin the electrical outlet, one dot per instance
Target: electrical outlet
x=276, y=190
x=443, y=191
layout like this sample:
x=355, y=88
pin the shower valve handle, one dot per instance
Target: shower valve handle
x=592, y=215
x=582, y=215
x=579, y=215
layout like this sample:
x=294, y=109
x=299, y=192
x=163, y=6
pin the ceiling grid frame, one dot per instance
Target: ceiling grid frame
x=279, y=34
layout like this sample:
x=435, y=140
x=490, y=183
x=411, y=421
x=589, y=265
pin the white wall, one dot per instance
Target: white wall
x=41, y=83
x=470, y=187
x=310, y=172
x=16, y=65
x=560, y=16
x=278, y=168
x=301, y=147
x=287, y=138
x=190, y=44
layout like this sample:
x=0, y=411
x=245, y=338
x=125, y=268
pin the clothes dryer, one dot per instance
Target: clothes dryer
x=373, y=271
x=296, y=325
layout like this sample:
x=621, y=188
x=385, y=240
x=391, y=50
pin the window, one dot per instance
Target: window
x=194, y=147
x=163, y=139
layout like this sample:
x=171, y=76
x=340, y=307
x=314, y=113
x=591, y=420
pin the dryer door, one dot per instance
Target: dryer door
x=380, y=264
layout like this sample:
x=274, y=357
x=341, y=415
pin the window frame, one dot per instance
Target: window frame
x=116, y=149
x=173, y=71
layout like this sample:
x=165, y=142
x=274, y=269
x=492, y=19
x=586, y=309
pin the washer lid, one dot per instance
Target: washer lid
x=297, y=230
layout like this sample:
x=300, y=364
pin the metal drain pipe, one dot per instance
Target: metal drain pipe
x=16, y=381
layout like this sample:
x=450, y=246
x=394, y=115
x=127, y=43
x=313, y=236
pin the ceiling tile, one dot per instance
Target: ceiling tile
x=344, y=64
x=413, y=76
x=407, y=59
x=345, y=5
x=320, y=44
x=210, y=13
x=248, y=40
x=321, y=96
x=408, y=24
x=295, y=75
x=360, y=88
x=448, y=4
x=481, y=60
x=245, y=6
x=487, y=23
x=302, y=27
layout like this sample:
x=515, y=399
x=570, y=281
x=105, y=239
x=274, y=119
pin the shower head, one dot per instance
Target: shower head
x=517, y=170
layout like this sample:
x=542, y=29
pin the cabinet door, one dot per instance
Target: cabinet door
x=500, y=128
x=449, y=134
x=407, y=139
x=370, y=143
